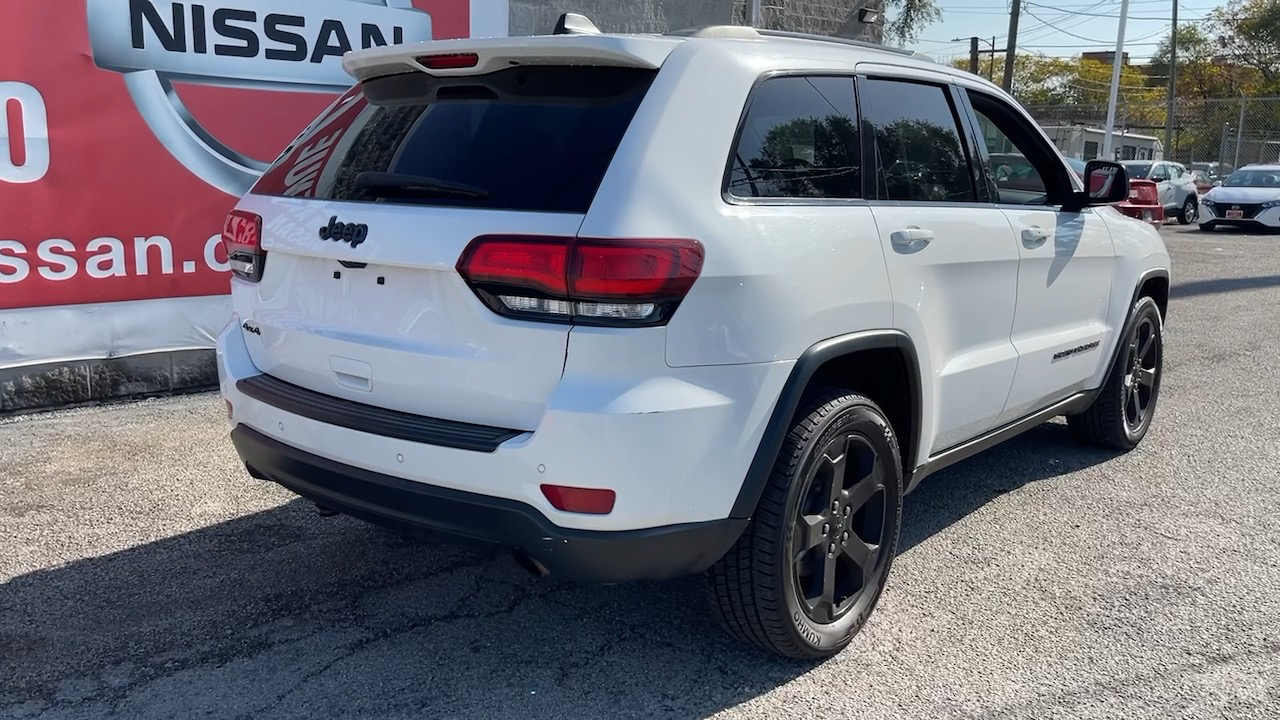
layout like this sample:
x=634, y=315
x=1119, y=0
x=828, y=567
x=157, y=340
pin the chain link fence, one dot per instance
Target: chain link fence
x=1231, y=132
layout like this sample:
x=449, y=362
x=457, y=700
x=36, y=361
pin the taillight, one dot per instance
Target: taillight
x=242, y=238
x=448, y=61
x=585, y=281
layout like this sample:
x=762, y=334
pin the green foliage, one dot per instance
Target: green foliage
x=909, y=18
x=1058, y=81
x=1249, y=35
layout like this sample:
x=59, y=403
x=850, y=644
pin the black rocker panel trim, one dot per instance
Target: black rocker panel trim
x=374, y=420
x=793, y=391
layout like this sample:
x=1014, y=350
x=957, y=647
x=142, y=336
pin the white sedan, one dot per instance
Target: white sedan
x=1249, y=197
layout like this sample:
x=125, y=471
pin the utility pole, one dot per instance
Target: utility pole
x=991, y=61
x=1012, y=45
x=1173, y=75
x=1235, y=163
x=1115, y=82
x=974, y=52
x=753, y=13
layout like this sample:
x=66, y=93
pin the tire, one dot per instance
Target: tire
x=1118, y=419
x=1189, y=211
x=769, y=592
x=1207, y=227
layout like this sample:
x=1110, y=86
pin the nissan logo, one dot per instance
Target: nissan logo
x=291, y=45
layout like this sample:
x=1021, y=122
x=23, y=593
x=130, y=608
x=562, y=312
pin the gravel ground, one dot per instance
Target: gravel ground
x=146, y=576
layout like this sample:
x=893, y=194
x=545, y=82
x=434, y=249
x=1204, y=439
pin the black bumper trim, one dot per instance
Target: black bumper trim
x=374, y=420
x=443, y=513
x=1242, y=223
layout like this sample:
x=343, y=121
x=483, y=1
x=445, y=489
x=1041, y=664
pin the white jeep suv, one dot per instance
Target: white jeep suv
x=639, y=307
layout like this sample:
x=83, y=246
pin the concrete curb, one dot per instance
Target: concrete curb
x=54, y=386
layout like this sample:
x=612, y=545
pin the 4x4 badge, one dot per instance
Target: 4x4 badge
x=351, y=233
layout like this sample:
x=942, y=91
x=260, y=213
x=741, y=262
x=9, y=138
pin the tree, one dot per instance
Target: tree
x=1200, y=76
x=1036, y=80
x=910, y=17
x=1249, y=35
x=1083, y=85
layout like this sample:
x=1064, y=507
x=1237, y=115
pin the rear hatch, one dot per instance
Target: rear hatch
x=351, y=286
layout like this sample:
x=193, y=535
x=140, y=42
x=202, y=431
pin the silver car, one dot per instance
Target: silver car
x=1174, y=183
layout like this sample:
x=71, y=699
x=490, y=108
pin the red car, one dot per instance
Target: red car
x=1143, y=202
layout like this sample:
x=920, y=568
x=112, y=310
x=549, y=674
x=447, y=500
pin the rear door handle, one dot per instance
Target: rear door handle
x=1034, y=236
x=912, y=237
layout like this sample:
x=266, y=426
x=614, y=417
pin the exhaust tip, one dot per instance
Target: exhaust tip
x=532, y=566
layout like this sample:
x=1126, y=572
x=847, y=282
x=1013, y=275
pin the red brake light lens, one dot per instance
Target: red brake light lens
x=631, y=282
x=242, y=238
x=591, y=501
x=449, y=61
x=535, y=263
x=634, y=269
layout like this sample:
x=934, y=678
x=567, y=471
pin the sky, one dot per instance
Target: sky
x=1055, y=29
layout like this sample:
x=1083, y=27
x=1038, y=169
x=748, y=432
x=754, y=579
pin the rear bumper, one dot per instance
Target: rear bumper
x=1153, y=214
x=430, y=511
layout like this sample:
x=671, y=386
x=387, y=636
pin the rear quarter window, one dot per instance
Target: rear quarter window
x=798, y=140
x=529, y=138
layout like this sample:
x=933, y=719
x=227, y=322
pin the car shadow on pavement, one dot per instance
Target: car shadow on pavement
x=285, y=614
x=1222, y=285
x=953, y=493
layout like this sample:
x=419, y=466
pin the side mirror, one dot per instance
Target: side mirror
x=1106, y=183
x=1217, y=183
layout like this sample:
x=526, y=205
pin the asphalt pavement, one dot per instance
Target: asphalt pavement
x=145, y=575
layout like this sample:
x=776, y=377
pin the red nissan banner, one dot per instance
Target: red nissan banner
x=129, y=128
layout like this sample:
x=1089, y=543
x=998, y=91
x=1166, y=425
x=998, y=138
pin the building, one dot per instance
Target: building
x=1106, y=57
x=1085, y=143
x=825, y=17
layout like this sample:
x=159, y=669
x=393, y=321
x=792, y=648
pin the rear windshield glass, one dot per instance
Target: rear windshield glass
x=529, y=138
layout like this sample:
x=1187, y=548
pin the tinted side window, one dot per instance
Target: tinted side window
x=1015, y=174
x=1025, y=169
x=799, y=140
x=915, y=136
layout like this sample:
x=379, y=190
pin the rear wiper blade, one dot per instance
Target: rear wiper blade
x=406, y=182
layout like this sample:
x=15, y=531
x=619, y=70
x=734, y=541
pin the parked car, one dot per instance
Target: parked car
x=1203, y=182
x=1143, y=202
x=1216, y=171
x=1249, y=197
x=1012, y=170
x=1175, y=185
x=645, y=306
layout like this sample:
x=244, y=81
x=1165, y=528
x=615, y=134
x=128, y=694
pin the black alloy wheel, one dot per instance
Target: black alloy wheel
x=810, y=567
x=838, y=533
x=1121, y=414
x=1142, y=359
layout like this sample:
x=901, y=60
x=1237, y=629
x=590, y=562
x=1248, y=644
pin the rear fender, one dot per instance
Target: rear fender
x=793, y=393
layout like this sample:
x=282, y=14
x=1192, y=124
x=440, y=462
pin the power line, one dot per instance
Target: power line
x=1078, y=46
x=1092, y=40
x=1043, y=30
